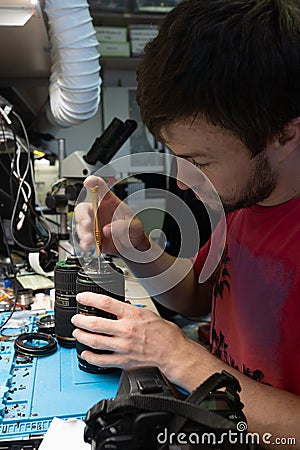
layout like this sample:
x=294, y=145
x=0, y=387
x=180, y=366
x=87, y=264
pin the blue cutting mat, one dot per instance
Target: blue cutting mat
x=33, y=390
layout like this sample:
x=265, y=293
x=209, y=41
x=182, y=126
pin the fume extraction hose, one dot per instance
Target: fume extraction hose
x=75, y=83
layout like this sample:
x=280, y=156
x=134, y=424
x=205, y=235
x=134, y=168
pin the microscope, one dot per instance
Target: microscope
x=79, y=165
x=74, y=168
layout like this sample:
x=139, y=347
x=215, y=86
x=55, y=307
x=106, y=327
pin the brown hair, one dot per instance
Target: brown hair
x=234, y=62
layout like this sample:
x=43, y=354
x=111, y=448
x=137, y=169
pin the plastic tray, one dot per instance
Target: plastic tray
x=33, y=390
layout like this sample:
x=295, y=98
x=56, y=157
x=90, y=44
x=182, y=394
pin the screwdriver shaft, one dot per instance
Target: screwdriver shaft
x=97, y=226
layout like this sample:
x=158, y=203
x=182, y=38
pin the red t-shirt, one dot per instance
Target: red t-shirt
x=256, y=296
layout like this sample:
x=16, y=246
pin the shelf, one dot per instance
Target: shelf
x=119, y=63
x=103, y=18
x=114, y=12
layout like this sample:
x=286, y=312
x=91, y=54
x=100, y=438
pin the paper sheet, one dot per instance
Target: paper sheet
x=34, y=281
x=65, y=435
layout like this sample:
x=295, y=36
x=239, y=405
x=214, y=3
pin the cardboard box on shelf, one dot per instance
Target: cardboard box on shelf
x=139, y=35
x=114, y=49
x=111, y=34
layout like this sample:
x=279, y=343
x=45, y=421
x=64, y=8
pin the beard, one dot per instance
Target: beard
x=257, y=189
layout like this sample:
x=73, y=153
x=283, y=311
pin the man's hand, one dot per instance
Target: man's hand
x=141, y=338
x=121, y=229
x=138, y=338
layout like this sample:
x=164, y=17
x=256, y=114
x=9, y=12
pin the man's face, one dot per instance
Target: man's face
x=241, y=181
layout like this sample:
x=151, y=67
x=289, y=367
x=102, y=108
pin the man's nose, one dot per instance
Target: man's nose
x=189, y=176
x=181, y=185
x=184, y=174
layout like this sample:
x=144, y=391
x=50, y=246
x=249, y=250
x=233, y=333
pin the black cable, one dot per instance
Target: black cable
x=52, y=221
x=33, y=217
x=14, y=302
x=10, y=315
x=8, y=172
x=7, y=246
x=27, y=172
x=65, y=249
x=45, y=245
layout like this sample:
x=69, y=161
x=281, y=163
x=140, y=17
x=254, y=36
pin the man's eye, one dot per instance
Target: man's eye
x=200, y=165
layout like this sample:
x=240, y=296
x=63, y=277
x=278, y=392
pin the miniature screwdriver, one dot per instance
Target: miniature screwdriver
x=97, y=226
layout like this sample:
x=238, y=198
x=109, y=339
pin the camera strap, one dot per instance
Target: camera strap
x=183, y=410
x=151, y=402
x=213, y=383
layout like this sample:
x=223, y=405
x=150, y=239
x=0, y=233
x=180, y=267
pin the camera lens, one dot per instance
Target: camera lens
x=109, y=281
x=65, y=274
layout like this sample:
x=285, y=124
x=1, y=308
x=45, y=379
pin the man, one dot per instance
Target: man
x=220, y=86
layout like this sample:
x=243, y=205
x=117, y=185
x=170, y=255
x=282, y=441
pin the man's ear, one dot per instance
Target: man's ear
x=289, y=139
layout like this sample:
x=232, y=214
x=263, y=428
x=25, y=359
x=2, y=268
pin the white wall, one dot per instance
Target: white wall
x=78, y=137
x=81, y=137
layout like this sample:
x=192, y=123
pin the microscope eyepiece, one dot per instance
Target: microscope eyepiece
x=106, y=146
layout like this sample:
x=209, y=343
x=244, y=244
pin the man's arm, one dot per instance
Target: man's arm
x=272, y=413
x=173, y=282
x=141, y=338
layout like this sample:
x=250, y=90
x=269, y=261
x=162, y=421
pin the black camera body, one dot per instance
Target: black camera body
x=149, y=413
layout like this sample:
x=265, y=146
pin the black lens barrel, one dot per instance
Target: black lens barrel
x=70, y=279
x=109, y=281
x=65, y=306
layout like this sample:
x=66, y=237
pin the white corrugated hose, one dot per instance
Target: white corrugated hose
x=75, y=80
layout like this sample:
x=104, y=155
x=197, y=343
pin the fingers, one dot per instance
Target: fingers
x=104, y=192
x=119, y=226
x=112, y=360
x=98, y=341
x=105, y=343
x=92, y=180
x=95, y=324
x=105, y=303
x=84, y=212
x=134, y=339
x=84, y=225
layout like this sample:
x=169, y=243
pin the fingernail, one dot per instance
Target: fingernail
x=74, y=333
